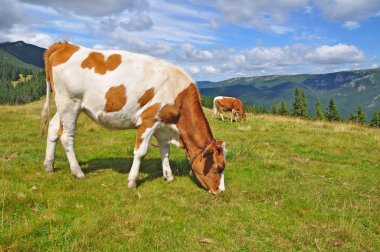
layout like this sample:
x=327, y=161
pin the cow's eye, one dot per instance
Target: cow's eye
x=219, y=170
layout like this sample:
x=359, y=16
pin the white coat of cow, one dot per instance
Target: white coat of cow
x=123, y=90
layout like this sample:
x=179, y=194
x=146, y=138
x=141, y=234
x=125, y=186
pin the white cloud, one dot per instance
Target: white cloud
x=20, y=32
x=279, y=29
x=210, y=69
x=351, y=25
x=349, y=9
x=261, y=14
x=10, y=14
x=193, y=69
x=137, y=22
x=336, y=54
x=190, y=53
x=138, y=45
x=92, y=8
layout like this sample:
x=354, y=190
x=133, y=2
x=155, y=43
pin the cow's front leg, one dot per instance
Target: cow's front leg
x=144, y=134
x=221, y=114
x=165, y=152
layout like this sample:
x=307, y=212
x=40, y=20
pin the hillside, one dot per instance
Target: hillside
x=19, y=82
x=291, y=185
x=27, y=53
x=349, y=89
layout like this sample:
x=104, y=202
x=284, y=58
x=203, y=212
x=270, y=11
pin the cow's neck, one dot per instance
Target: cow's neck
x=192, y=124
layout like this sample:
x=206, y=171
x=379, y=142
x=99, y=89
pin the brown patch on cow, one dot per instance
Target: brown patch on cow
x=148, y=118
x=97, y=60
x=147, y=97
x=187, y=114
x=60, y=129
x=57, y=54
x=115, y=99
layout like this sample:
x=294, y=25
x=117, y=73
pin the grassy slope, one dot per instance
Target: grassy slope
x=290, y=185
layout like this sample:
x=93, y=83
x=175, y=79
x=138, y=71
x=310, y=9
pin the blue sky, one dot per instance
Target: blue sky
x=211, y=40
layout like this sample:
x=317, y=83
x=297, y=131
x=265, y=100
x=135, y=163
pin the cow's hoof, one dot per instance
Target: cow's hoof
x=169, y=179
x=49, y=167
x=79, y=175
x=132, y=184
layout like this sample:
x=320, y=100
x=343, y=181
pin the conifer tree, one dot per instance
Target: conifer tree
x=274, y=109
x=304, y=105
x=319, y=115
x=361, y=116
x=332, y=113
x=375, y=120
x=299, y=104
x=352, y=117
x=283, y=109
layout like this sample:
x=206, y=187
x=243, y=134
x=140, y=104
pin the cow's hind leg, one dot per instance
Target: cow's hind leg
x=144, y=133
x=51, y=143
x=69, y=116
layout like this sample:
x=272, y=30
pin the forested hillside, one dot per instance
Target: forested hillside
x=19, y=82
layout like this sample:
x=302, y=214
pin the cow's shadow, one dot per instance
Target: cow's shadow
x=152, y=167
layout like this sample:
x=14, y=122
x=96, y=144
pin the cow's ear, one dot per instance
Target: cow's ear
x=220, y=147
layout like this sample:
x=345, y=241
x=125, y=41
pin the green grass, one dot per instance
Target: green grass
x=290, y=185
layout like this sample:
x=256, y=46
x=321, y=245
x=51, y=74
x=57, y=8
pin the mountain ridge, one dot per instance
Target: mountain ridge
x=348, y=88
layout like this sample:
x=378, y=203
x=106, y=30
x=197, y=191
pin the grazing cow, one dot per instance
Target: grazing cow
x=223, y=103
x=123, y=90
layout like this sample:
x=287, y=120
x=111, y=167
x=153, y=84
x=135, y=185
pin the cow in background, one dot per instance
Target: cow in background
x=223, y=103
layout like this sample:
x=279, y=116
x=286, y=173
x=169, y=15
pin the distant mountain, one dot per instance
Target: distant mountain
x=349, y=89
x=27, y=53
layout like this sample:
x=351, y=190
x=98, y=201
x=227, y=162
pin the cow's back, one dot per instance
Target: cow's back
x=133, y=81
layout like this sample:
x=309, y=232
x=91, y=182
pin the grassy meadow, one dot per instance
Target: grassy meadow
x=291, y=185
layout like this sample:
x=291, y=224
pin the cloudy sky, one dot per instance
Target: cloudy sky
x=210, y=39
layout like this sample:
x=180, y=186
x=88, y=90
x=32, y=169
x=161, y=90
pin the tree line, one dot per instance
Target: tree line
x=299, y=109
x=20, y=92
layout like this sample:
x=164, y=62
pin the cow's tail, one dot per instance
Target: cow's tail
x=45, y=114
x=214, y=108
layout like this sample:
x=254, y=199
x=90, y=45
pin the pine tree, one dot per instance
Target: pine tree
x=332, y=113
x=274, y=109
x=352, y=118
x=361, y=116
x=283, y=109
x=304, y=105
x=375, y=120
x=319, y=115
x=299, y=104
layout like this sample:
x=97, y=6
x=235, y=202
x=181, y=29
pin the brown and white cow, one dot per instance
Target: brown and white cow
x=123, y=90
x=223, y=103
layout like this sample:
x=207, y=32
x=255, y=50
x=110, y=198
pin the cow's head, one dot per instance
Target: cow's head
x=209, y=166
x=243, y=116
